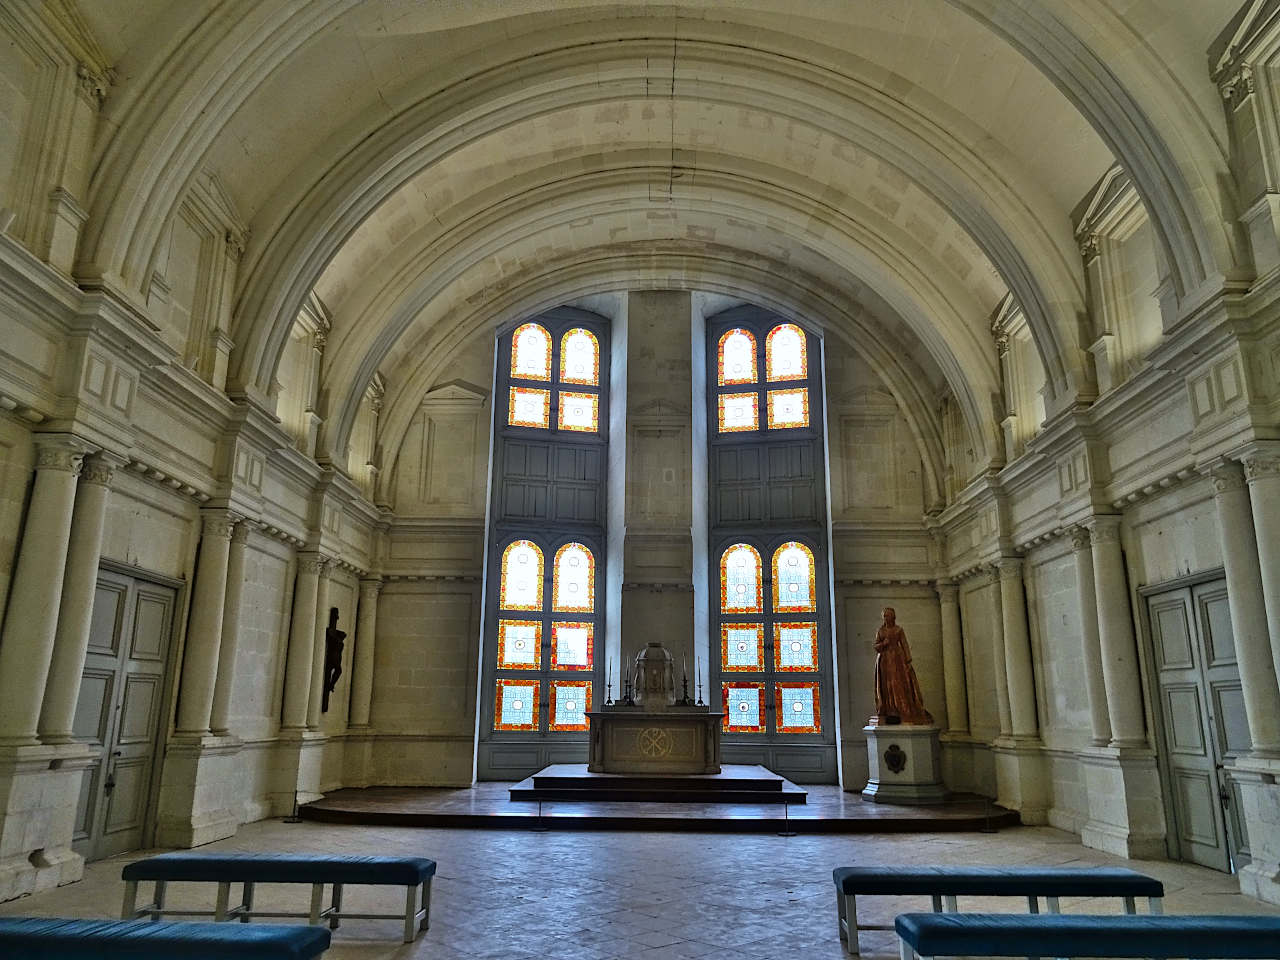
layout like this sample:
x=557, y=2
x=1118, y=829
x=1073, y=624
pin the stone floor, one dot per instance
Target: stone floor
x=591, y=896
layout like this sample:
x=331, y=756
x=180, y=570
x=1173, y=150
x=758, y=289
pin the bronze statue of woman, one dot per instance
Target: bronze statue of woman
x=898, y=697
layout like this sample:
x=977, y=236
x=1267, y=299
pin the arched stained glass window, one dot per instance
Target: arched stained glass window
x=531, y=352
x=574, y=583
x=737, y=360
x=740, y=581
x=521, y=587
x=793, y=579
x=786, y=357
x=580, y=358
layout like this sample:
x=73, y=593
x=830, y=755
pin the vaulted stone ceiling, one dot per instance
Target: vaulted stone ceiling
x=888, y=169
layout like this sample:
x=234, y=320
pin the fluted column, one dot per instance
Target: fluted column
x=1017, y=648
x=953, y=658
x=362, y=669
x=998, y=658
x=1263, y=474
x=1095, y=688
x=31, y=620
x=1248, y=611
x=318, y=648
x=220, y=715
x=75, y=611
x=1115, y=634
x=204, y=628
x=302, y=625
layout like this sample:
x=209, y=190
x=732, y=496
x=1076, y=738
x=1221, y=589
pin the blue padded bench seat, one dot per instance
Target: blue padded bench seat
x=56, y=938
x=944, y=884
x=1060, y=935
x=316, y=869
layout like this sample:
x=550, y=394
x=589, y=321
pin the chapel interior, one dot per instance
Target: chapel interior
x=378, y=378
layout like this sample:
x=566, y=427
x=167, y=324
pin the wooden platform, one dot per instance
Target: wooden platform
x=828, y=810
x=735, y=783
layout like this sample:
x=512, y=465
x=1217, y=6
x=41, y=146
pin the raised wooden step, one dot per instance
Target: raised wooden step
x=736, y=783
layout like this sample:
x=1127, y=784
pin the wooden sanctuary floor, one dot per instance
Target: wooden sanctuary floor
x=828, y=810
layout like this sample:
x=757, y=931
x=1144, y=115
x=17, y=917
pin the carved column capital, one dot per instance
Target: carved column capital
x=310, y=563
x=1080, y=538
x=1226, y=477
x=1090, y=246
x=1261, y=468
x=57, y=452
x=948, y=591
x=93, y=86
x=1009, y=568
x=220, y=524
x=370, y=588
x=241, y=532
x=100, y=468
x=1104, y=529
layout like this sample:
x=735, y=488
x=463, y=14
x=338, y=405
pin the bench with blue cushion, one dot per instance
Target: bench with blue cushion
x=56, y=938
x=317, y=869
x=1060, y=935
x=944, y=884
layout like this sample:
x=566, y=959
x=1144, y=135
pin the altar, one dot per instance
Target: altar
x=677, y=739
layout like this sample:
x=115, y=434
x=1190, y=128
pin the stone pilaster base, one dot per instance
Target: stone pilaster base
x=905, y=764
x=299, y=770
x=962, y=757
x=39, y=790
x=1260, y=806
x=200, y=791
x=1126, y=808
x=357, y=760
x=1022, y=778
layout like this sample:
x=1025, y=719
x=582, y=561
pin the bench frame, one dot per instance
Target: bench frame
x=847, y=907
x=415, y=917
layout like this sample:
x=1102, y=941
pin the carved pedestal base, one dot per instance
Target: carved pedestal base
x=904, y=764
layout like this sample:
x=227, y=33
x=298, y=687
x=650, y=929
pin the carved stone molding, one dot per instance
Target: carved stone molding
x=1261, y=468
x=1227, y=477
x=236, y=241
x=1090, y=246
x=1080, y=538
x=1237, y=84
x=92, y=85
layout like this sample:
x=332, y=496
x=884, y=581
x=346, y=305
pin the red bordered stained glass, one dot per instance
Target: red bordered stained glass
x=573, y=588
x=796, y=708
x=570, y=701
x=579, y=412
x=743, y=703
x=580, y=358
x=528, y=408
x=742, y=647
x=794, y=587
x=571, y=645
x=515, y=705
x=787, y=409
x=739, y=412
x=520, y=586
x=741, y=586
x=736, y=357
x=519, y=644
x=786, y=356
x=531, y=352
x=795, y=647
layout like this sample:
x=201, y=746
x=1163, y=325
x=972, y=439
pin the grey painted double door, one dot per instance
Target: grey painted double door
x=1203, y=720
x=119, y=711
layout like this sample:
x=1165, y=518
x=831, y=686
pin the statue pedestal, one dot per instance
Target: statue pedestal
x=905, y=764
x=672, y=740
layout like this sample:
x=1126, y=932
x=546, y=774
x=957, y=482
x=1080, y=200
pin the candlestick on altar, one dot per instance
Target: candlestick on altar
x=608, y=683
x=697, y=671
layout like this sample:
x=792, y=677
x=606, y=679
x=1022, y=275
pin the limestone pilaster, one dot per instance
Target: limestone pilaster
x=953, y=658
x=1263, y=474
x=1086, y=594
x=31, y=620
x=204, y=628
x=1115, y=634
x=1248, y=610
x=315, y=695
x=362, y=671
x=75, y=611
x=1017, y=648
x=297, y=675
x=998, y=659
x=221, y=713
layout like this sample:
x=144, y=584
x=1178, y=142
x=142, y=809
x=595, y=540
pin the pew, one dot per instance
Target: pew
x=45, y=938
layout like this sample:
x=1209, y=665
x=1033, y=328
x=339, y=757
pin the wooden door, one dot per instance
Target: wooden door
x=1202, y=718
x=119, y=711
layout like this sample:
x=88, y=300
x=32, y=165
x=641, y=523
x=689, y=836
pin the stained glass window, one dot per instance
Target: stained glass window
x=743, y=705
x=793, y=579
x=528, y=408
x=579, y=411
x=741, y=645
x=574, y=586
x=531, y=352
x=571, y=645
x=516, y=705
x=795, y=647
x=796, y=708
x=785, y=354
x=519, y=644
x=580, y=357
x=521, y=587
x=788, y=408
x=570, y=701
x=737, y=360
x=739, y=412
x=740, y=586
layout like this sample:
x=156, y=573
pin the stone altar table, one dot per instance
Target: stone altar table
x=677, y=739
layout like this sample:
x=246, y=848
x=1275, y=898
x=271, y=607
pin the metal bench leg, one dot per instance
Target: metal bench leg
x=851, y=923
x=247, y=906
x=840, y=913
x=220, y=906
x=335, y=911
x=129, y=907
x=937, y=902
x=426, y=905
x=1130, y=906
x=1033, y=904
x=1155, y=906
x=410, y=911
x=905, y=952
x=949, y=903
x=157, y=906
x=317, y=898
x=1052, y=904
